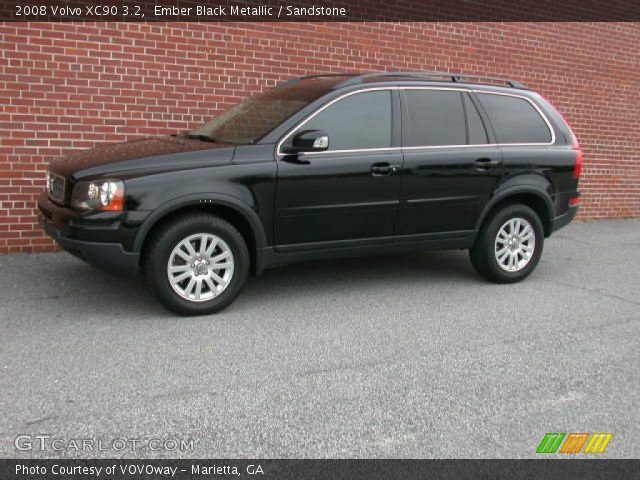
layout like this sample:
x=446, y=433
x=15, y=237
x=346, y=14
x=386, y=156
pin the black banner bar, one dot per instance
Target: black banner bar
x=318, y=469
x=319, y=10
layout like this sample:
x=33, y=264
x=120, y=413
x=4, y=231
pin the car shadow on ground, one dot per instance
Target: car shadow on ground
x=83, y=286
x=427, y=266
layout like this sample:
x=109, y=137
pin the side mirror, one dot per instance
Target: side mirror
x=308, y=141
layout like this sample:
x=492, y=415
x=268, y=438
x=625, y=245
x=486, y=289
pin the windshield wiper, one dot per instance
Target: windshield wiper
x=203, y=137
x=209, y=138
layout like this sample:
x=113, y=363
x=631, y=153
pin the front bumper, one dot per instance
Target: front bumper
x=107, y=256
x=64, y=227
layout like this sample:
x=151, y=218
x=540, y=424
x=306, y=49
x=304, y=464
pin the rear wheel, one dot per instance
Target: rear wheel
x=197, y=264
x=509, y=244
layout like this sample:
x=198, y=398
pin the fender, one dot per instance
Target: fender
x=536, y=185
x=196, y=199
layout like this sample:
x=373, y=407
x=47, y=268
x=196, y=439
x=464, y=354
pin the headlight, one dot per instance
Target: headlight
x=98, y=195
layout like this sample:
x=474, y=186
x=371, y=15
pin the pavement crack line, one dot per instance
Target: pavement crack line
x=592, y=244
x=40, y=420
x=471, y=349
x=592, y=290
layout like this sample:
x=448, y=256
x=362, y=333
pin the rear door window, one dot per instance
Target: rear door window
x=435, y=118
x=514, y=120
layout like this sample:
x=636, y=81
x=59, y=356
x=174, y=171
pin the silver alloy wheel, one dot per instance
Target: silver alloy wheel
x=200, y=267
x=515, y=244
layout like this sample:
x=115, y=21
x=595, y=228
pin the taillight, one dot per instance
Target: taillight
x=577, y=167
x=574, y=201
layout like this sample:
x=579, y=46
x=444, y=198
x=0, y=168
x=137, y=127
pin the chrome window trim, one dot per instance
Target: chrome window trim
x=357, y=150
x=422, y=147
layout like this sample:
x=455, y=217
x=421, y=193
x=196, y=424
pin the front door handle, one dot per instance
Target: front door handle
x=487, y=163
x=296, y=159
x=383, y=168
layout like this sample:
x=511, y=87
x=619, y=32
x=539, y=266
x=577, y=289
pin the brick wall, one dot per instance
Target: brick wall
x=70, y=86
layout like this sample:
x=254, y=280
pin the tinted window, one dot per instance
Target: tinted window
x=435, y=118
x=252, y=119
x=362, y=120
x=514, y=119
x=477, y=132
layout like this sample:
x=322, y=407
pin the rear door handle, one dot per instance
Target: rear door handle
x=487, y=163
x=383, y=168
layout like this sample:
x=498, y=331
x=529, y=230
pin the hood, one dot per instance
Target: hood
x=154, y=154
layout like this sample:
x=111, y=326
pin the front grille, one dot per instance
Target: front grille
x=55, y=187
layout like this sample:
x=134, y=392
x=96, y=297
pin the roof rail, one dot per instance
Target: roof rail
x=293, y=81
x=453, y=77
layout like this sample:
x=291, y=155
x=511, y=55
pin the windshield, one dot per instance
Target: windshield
x=252, y=119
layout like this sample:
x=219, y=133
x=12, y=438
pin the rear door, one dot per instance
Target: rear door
x=451, y=163
x=348, y=194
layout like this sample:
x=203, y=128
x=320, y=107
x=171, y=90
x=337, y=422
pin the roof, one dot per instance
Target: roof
x=351, y=79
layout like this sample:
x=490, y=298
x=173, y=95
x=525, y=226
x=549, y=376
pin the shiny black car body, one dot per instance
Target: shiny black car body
x=290, y=201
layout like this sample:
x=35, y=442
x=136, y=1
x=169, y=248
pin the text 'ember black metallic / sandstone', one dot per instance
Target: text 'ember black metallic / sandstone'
x=324, y=166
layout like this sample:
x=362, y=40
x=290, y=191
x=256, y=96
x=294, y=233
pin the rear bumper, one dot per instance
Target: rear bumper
x=563, y=220
x=80, y=240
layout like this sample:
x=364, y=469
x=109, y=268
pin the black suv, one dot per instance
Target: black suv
x=324, y=166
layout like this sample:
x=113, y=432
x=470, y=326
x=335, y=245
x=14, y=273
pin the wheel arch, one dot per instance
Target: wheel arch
x=533, y=196
x=234, y=211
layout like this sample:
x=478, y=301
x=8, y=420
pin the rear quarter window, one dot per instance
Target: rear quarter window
x=514, y=120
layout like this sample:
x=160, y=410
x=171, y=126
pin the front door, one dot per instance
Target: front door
x=348, y=194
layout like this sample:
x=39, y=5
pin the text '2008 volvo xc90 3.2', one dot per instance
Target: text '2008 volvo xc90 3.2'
x=321, y=167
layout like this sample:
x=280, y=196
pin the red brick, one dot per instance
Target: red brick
x=65, y=86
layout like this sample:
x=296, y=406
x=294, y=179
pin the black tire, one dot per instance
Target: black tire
x=169, y=236
x=483, y=253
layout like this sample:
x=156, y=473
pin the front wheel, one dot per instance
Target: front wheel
x=509, y=244
x=197, y=264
